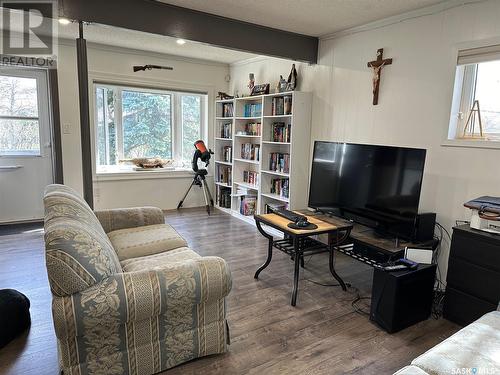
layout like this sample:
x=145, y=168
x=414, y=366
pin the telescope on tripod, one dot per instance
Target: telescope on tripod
x=203, y=154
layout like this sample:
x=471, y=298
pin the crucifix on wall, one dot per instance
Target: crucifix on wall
x=377, y=66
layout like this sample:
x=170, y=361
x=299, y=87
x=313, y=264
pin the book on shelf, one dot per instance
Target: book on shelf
x=270, y=207
x=251, y=177
x=250, y=151
x=279, y=162
x=248, y=205
x=225, y=130
x=240, y=190
x=281, y=132
x=281, y=105
x=227, y=110
x=252, y=110
x=224, y=174
x=227, y=152
x=287, y=105
x=223, y=197
x=280, y=186
x=252, y=128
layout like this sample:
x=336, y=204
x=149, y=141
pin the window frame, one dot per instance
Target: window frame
x=468, y=56
x=43, y=118
x=176, y=122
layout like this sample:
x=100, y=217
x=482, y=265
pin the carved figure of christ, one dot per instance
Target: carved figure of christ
x=377, y=66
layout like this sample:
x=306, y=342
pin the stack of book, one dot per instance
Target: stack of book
x=251, y=177
x=270, y=207
x=280, y=132
x=224, y=174
x=252, y=110
x=280, y=186
x=227, y=152
x=252, y=128
x=249, y=151
x=281, y=105
x=248, y=205
x=279, y=162
x=225, y=130
x=227, y=110
x=223, y=197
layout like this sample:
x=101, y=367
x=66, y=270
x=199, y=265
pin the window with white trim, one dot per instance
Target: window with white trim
x=477, y=79
x=133, y=122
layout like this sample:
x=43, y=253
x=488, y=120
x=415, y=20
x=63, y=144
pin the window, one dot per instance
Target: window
x=477, y=81
x=19, y=121
x=135, y=122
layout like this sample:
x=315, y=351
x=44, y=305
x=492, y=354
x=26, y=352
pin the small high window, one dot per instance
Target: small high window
x=476, y=94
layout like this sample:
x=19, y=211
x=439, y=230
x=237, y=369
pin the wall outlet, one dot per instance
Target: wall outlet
x=66, y=129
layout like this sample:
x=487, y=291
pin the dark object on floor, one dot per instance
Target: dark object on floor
x=473, y=278
x=14, y=315
x=403, y=298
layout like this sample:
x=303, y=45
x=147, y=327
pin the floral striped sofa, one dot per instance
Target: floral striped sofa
x=129, y=296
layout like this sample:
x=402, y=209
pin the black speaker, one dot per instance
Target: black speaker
x=424, y=227
x=402, y=298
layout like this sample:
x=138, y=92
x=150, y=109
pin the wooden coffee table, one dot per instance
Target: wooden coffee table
x=298, y=243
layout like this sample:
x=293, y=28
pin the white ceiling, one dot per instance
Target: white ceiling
x=309, y=17
x=118, y=37
x=125, y=38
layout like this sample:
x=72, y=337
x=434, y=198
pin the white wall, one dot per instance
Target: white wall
x=414, y=103
x=115, y=65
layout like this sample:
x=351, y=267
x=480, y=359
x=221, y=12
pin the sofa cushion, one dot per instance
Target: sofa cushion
x=411, y=370
x=78, y=252
x=159, y=261
x=474, y=346
x=142, y=241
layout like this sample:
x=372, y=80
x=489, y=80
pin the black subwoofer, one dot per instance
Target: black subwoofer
x=402, y=298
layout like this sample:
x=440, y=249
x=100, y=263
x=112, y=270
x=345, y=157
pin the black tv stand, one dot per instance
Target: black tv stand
x=366, y=245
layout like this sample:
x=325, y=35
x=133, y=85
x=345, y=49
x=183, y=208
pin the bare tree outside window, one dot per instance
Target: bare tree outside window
x=19, y=125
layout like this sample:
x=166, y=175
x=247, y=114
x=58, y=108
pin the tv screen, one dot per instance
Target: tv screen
x=366, y=180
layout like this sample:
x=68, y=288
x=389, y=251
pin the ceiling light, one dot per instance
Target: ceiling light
x=181, y=42
x=64, y=21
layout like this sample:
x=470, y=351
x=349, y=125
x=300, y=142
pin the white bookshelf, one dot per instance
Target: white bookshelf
x=297, y=148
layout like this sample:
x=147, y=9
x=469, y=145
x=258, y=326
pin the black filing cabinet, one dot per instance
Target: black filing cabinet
x=473, y=279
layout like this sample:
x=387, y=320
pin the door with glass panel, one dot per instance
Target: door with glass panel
x=25, y=143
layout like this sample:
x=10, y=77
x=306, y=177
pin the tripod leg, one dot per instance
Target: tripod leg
x=185, y=195
x=209, y=195
x=204, y=188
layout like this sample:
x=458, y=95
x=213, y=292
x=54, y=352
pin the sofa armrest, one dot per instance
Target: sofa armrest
x=121, y=218
x=136, y=296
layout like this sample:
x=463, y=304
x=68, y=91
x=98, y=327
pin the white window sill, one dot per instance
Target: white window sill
x=472, y=143
x=114, y=174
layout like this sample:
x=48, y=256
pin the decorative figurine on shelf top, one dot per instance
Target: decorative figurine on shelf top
x=223, y=96
x=251, y=82
x=236, y=94
x=292, y=79
x=282, y=85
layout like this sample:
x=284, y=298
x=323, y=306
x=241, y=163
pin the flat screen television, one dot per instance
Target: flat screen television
x=378, y=186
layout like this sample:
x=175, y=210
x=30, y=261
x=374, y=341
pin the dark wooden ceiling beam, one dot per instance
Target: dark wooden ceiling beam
x=165, y=19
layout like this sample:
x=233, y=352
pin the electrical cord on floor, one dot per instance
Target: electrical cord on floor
x=354, y=303
x=357, y=299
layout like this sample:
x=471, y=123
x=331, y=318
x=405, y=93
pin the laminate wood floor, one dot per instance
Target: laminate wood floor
x=321, y=335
